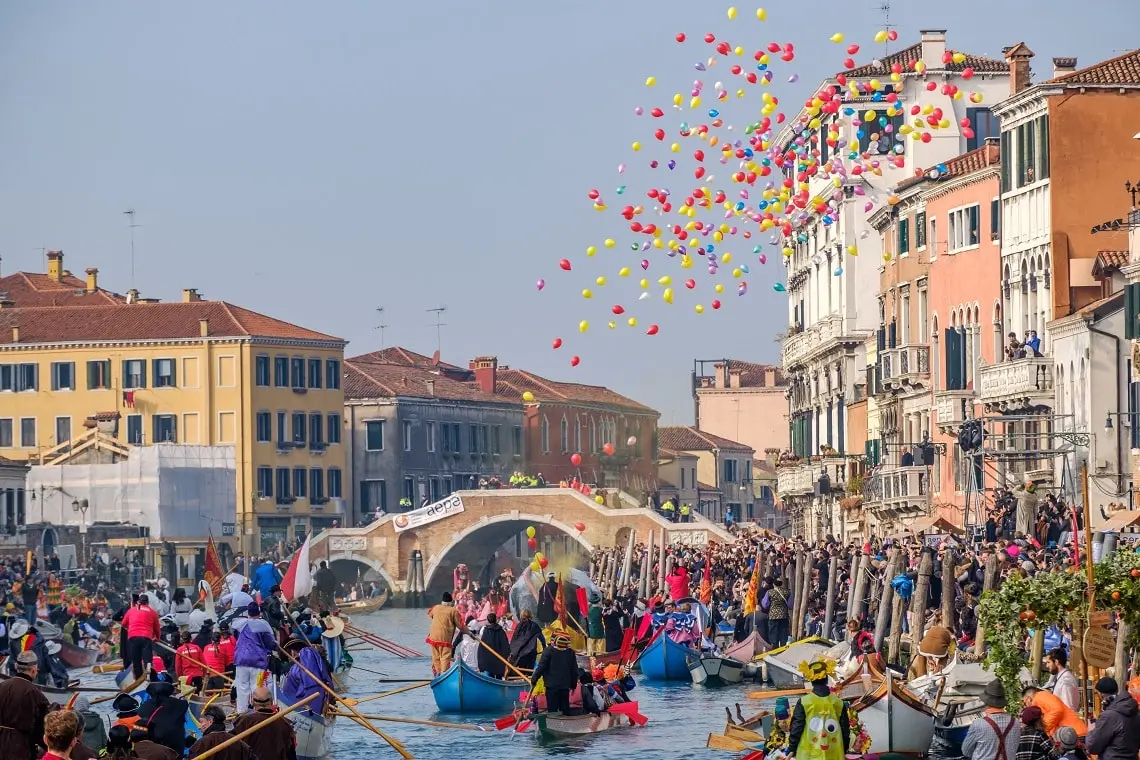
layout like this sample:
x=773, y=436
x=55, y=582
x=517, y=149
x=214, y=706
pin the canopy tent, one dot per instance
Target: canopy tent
x=1120, y=521
x=931, y=524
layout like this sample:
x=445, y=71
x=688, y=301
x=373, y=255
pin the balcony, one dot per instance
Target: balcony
x=814, y=339
x=952, y=408
x=905, y=367
x=903, y=489
x=802, y=478
x=1018, y=385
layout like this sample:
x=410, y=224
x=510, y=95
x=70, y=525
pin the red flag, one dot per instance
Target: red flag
x=298, y=580
x=215, y=576
x=583, y=603
x=560, y=602
x=706, y=585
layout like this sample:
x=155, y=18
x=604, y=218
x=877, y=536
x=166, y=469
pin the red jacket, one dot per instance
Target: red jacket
x=229, y=643
x=141, y=621
x=218, y=657
x=186, y=661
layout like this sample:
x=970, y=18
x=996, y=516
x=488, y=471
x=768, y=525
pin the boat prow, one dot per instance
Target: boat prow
x=553, y=727
x=665, y=660
x=460, y=689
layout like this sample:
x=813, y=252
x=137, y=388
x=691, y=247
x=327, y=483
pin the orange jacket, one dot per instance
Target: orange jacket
x=1056, y=714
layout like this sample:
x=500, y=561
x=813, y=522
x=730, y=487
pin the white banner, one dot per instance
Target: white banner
x=451, y=505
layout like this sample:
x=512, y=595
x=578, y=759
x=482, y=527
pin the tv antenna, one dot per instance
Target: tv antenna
x=438, y=311
x=885, y=9
x=130, y=214
x=381, y=327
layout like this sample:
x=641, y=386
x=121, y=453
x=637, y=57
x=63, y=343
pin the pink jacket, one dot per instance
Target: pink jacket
x=141, y=621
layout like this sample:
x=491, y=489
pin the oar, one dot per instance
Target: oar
x=744, y=734
x=256, y=727
x=772, y=694
x=413, y=721
x=390, y=646
x=372, y=672
x=719, y=741
x=395, y=744
x=108, y=667
x=381, y=695
x=629, y=709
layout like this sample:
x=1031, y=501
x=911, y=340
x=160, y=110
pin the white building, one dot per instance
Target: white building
x=832, y=295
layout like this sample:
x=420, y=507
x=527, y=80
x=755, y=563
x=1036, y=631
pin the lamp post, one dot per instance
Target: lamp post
x=81, y=506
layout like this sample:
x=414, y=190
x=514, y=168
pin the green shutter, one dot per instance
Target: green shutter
x=1132, y=311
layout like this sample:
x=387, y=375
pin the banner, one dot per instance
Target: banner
x=446, y=507
x=214, y=574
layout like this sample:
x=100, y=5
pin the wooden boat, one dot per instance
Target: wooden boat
x=895, y=719
x=958, y=684
x=55, y=696
x=665, y=660
x=460, y=689
x=199, y=702
x=745, y=650
x=715, y=670
x=77, y=657
x=780, y=667
x=552, y=727
x=600, y=660
x=314, y=733
x=364, y=606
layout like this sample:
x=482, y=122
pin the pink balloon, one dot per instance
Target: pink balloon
x=645, y=263
x=541, y=284
x=763, y=259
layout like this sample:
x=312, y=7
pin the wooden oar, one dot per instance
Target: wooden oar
x=390, y=646
x=254, y=728
x=413, y=721
x=772, y=694
x=108, y=667
x=719, y=741
x=381, y=695
x=743, y=734
x=394, y=743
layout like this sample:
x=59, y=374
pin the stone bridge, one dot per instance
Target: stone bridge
x=486, y=521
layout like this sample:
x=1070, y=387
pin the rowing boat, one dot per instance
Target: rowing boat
x=552, y=727
x=313, y=734
x=600, y=660
x=61, y=697
x=364, y=606
x=781, y=666
x=461, y=689
x=894, y=719
x=77, y=657
x=744, y=650
x=714, y=670
x=665, y=660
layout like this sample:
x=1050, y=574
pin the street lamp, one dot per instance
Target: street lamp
x=1108, y=420
x=81, y=506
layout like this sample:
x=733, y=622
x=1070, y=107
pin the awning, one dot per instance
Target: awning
x=1121, y=520
x=932, y=524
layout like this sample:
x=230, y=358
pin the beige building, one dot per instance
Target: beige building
x=723, y=466
x=677, y=478
x=741, y=401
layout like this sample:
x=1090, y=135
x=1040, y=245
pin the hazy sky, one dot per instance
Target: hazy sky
x=317, y=160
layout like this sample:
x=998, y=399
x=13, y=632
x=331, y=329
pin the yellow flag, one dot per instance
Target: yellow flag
x=751, y=600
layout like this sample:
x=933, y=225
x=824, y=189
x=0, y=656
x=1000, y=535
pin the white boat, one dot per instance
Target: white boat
x=715, y=670
x=894, y=718
x=313, y=734
x=959, y=684
x=781, y=667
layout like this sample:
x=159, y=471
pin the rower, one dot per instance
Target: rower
x=56, y=669
x=276, y=740
x=445, y=622
x=820, y=728
x=126, y=709
x=188, y=663
x=558, y=667
x=22, y=711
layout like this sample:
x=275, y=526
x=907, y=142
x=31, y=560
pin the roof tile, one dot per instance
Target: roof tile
x=752, y=375
x=1109, y=261
x=367, y=380
x=908, y=56
x=1123, y=69
x=403, y=357
x=985, y=157
x=689, y=438
x=32, y=289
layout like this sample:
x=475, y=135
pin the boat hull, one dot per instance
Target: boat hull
x=552, y=727
x=364, y=606
x=601, y=660
x=745, y=650
x=896, y=720
x=665, y=660
x=781, y=667
x=77, y=657
x=712, y=670
x=313, y=734
x=462, y=690
x=55, y=696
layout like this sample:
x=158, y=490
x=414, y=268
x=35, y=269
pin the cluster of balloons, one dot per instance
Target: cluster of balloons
x=539, y=562
x=745, y=184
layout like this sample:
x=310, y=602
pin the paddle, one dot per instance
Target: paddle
x=256, y=727
x=414, y=721
x=629, y=709
x=626, y=645
x=743, y=734
x=772, y=694
x=718, y=741
x=389, y=646
x=401, y=690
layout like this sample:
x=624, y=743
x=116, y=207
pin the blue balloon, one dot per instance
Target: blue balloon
x=713, y=113
x=711, y=248
x=740, y=205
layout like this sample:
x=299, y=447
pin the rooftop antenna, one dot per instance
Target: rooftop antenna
x=438, y=311
x=885, y=9
x=381, y=327
x=130, y=214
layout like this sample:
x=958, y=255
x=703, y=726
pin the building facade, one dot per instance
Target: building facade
x=741, y=401
x=722, y=465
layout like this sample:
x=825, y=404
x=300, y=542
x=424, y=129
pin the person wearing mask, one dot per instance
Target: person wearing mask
x=275, y=741
x=558, y=667
x=1116, y=734
x=92, y=730
x=1062, y=682
x=22, y=710
x=142, y=627
x=495, y=642
x=996, y=734
x=808, y=736
x=1054, y=712
x=251, y=658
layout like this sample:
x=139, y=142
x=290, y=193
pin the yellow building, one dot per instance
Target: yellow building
x=80, y=365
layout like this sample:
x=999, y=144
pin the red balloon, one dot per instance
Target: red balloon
x=967, y=73
x=657, y=113
x=579, y=526
x=574, y=361
x=659, y=134
x=680, y=36
x=557, y=343
x=926, y=137
x=608, y=449
x=710, y=37
x=532, y=544
x=652, y=330
x=690, y=284
x=576, y=459
x=565, y=264
x=593, y=195
x=543, y=563
x=618, y=309
x=716, y=304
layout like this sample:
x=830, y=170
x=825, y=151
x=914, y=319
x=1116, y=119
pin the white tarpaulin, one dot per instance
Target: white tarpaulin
x=446, y=507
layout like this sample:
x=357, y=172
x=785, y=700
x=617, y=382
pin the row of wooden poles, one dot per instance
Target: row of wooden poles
x=606, y=573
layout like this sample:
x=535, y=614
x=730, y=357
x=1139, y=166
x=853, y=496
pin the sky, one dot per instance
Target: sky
x=319, y=161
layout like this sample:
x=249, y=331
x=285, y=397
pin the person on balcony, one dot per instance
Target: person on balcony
x=1032, y=343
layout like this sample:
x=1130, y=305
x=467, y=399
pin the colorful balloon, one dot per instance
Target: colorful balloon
x=608, y=449
x=576, y=459
x=530, y=531
x=528, y=396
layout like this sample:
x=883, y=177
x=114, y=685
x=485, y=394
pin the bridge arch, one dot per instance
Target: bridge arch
x=504, y=526
x=343, y=567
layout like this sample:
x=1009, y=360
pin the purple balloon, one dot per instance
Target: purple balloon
x=672, y=164
x=541, y=284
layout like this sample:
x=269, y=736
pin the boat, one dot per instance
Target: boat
x=781, y=667
x=61, y=697
x=313, y=734
x=715, y=670
x=744, y=650
x=77, y=657
x=956, y=689
x=665, y=660
x=461, y=689
x=199, y=702
x=600, y=660
x=364, y=606
x=552, y=727
x=894, y=719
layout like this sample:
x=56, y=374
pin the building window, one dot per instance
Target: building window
x=333, y=428
x=407, y=430
x=564, y=435
x=373, y=495
x=484, y=447
x=63, y=376
x=299, y=425
x=473, y=442
x=578, y=435
x=264, y=482
x=995, y=219
x=429, y=434
x=25, y=377
x=883, y=137
x=1043, y=148
x=281, y=371
x=28, y=432
x=332, y=374
x=374, y=435
x=164, y=373
x=316, y=429
x=1006, y=161
x=134, y=374
x=264, y=427
x=448, y=446
x=7, y=377
x=963, y=228
x=135, y=429
x=410, y=490
x=518, y=439
x=904, y=237
x=300, y=482
x=261, y=371
x=165, y=428
x=496, y=443
x=593, y=438
x=6, y=433
x=923, y=307
x=729, y=470
x=545, y=430
x=920, y=230
x=98, y=375
x=335, y=483
x=315, y=370
x=984, y=125
x=283, y=491
x=297, y=373
x=282, y=429
x=317, y=485
x=683, y=478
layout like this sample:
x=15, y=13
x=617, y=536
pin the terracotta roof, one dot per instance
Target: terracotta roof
x=402, y=357
x=515, y=382
x=1108, y=262
x=145, y=321
x=31, y=289
x=985, y=157
x=763, y=466
x=367, y=380
x=1113, y=301
x=691, y=439
x=1123, y=69
x=6, y=462
x=752, y=374
x=908, y=56
x=706, y=487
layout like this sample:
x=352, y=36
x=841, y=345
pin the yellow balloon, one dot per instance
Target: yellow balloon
x=599, y=499
x=583, y=326
x=644, y=283
x=665, y=280
x=609, y=243
x=591, y=250
x=726, y=257
x=699, y=309
x=719, y=288
x=611, y=324
x=852, y=250
x=539, y=555
x=686, y=262
x=650, y=81
x=530, y=532
x=668, y=295
x=677, y=99
x=587, y=294
x=636, y=146
x=601, y=281
x=959, y=57
x=738, y=50
x=623, y=272
x=675, y=148
x=761, y=14
x=732, y=12
x=535, y=566
x=718, y=236
x=632, y=321
x=695, y=101
x=528, y=396
x=881, y=36
x=837, y=37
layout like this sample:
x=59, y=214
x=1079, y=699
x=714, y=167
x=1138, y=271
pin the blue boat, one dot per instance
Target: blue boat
x=665, y=660
x=460, y=689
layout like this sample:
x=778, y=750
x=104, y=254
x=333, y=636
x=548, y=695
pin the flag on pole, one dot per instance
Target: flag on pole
x=751, y=600
x=706, y=585
x=298, y=580
x=214, y=574
x=560, y=602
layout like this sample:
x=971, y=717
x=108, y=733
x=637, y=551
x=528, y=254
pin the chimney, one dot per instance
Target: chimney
x=721, y=369
x=133, y=295
x=1020, y=75
x=431, y=388
x=55, y=265
x=92, y=280
x=1063, y=66
x=771, y=456
x=769, y=377
x=15, y=334
x=733, y=377
x=204, y=327
x=486, y=369
x=190, y=295
x=933, y=47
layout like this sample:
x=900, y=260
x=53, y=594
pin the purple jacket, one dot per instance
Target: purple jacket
x=255, y=642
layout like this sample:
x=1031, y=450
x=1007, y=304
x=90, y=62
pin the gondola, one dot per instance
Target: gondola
x=600, y=660
x=552, y=727
x=460, y=689
x=77, y=657
x=781, y=666
x=314, y=733
x=715, y=670
x=752, y=645
x=895, y=719
x=61, y=697
x=665, y=660
x=364, y=606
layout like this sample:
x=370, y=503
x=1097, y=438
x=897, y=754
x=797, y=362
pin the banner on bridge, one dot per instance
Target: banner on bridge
x=451, y=505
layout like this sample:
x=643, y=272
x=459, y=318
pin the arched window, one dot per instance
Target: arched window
x=545, y=435
x=564, y=438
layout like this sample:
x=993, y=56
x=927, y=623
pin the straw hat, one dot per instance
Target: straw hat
x=334, y=627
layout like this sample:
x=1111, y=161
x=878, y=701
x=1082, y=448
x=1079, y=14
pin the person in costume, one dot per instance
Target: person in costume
x=820, y=728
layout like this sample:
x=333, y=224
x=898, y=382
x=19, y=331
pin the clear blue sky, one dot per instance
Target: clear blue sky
x=315, y=161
